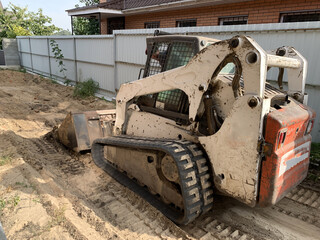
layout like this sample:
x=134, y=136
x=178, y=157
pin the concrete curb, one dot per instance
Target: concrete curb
x=10, y=67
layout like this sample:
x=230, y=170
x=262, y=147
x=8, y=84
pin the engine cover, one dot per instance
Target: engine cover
x=286, y=164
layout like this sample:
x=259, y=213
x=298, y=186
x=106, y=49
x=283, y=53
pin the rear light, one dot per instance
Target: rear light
x=309, y=127
x=282, y=138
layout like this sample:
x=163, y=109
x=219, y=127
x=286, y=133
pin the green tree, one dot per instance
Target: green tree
x=40, y=24
x=18, y=21
x=63, y=33
x=86, y=26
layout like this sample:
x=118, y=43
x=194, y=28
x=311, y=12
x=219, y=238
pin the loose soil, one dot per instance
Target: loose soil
x=48, y=192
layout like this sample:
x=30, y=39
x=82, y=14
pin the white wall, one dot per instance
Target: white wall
x=10, y=48
x=115, y=59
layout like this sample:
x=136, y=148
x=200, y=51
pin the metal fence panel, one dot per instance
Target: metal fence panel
x=313, y=102
x=127, y=73
x=104, y=75
x=131, y=48
x=66, y=46
x=25, y=59
x=40, y=63
x=24, y=44
x=39, y=46
x=56, y=73
x=95, y=50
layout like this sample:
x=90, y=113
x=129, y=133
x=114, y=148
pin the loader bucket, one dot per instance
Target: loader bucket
x=78, y=130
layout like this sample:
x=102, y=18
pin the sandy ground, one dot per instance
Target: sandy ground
x=47, y=192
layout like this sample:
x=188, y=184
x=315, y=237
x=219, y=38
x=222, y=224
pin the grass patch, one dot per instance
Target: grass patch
x=85, y=89
x=23, y=70
x=25, y=185
x=67, y=82
x=11, y=202
x=53, y=81
x=5, y=159
x=21, y=184
x=103, y=98
x=58, y=216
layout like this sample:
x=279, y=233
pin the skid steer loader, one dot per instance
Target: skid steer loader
x=203, y=120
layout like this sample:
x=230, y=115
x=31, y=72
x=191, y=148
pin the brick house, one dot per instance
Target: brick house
x=136, y=14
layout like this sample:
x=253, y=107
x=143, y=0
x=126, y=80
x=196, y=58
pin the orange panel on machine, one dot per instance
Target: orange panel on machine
x=287, y=134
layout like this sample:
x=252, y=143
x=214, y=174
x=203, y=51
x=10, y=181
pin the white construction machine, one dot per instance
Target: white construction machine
x=202, y=121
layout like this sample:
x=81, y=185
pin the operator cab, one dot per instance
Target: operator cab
x=163, y=54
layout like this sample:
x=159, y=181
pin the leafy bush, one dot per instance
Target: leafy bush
x=86, y=89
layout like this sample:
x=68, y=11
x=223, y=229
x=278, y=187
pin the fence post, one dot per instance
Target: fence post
x=115, y=62
x=50, y=71
x=75, y=58
x=19, y=51
x=31, y=54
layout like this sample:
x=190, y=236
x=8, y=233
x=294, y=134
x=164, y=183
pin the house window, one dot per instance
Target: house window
x=233, y=20
x=152, y=25
x=186, y=23
x=302, y=16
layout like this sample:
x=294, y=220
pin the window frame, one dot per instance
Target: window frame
x=153, y=22
x=179, y=21
x=222, y=18
x=297, y=13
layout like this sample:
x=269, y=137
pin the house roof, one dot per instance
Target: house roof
x=128, y=7
x=129, y=4
x=124, y=4
x=113, y=4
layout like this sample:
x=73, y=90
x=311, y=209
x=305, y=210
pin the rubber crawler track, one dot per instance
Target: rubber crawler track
x=195, y=183
x=305, y=196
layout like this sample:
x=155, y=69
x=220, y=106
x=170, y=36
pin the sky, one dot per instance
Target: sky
x=54, y=9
